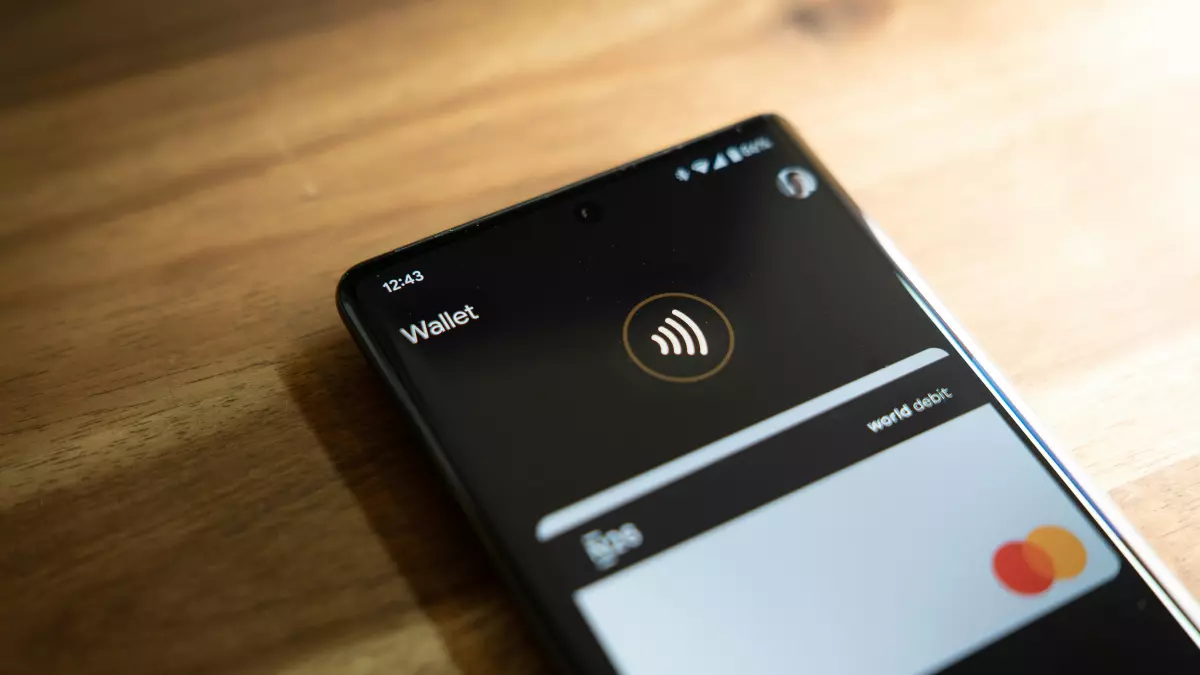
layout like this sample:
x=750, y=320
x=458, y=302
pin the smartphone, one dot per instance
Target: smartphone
x=708, y=420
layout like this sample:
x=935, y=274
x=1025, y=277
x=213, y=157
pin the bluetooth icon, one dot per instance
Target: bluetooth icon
x=682, y=174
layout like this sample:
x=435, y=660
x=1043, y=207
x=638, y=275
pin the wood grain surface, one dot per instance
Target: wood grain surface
x=199, y=474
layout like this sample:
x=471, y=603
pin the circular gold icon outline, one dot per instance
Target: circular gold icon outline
x=673, y=378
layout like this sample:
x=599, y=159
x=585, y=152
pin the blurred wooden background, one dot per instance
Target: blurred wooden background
x=199, y=474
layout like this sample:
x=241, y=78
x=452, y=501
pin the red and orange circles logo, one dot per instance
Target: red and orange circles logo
x=1050, y=553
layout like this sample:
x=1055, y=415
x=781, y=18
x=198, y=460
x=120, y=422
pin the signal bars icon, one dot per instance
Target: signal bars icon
x=703, y=165
x=669, y=341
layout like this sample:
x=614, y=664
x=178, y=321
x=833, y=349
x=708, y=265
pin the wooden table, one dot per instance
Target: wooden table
x=199, y=474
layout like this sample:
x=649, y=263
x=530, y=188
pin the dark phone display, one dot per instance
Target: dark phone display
x=711, y=429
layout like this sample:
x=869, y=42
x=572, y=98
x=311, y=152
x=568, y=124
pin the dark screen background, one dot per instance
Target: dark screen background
x=544, y=370
x=536, y=404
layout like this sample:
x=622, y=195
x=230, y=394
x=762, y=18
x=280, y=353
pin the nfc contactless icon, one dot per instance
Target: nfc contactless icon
x=678, y=337
x=1049, y=554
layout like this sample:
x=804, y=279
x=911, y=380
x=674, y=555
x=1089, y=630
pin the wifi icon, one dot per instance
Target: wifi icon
x=674, y=338
x=700, y=166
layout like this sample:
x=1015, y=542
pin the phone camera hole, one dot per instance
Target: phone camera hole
x=589, y=212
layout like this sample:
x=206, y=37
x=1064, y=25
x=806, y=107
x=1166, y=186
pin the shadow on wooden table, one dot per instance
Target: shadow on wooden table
x=365, y=436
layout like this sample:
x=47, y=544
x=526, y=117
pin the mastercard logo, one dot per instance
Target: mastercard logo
x=1030, y=567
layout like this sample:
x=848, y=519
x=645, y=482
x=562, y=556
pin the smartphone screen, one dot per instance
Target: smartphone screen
x=710, y=427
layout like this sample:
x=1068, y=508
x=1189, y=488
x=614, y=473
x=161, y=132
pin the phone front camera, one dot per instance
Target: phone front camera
x=589, y=212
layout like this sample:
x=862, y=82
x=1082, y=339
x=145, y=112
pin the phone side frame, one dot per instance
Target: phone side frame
x=1173, y=594
x=1165, y=585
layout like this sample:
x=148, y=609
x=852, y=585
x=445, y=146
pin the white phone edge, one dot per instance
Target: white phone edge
x=1123, y=535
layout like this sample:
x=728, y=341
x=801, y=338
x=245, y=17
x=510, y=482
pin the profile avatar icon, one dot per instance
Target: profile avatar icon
x=796, y=183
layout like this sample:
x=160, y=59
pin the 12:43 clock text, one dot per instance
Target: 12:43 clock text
x=393, y=285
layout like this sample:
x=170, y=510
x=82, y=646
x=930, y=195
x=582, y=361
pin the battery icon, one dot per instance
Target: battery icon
x=735, y=155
